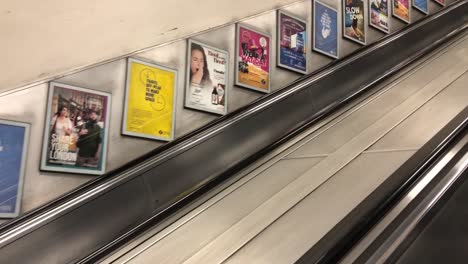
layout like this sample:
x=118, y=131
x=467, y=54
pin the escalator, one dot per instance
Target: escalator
x=294, y=198
x=100, y=217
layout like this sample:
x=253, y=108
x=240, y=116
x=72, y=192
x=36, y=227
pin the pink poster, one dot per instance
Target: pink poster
x=253, y=59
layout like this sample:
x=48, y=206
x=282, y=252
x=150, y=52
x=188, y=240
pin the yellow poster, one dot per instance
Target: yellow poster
x=149, y=101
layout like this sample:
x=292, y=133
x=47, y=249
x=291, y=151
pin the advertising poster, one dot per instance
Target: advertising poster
x=401, y=10
x=379, y=13
x=13, y=148
x=440, y=2
x=76, y=130
x=421, y=5
x=325, y=29
x=292, y=47
x=207, y=78
x=354, y=26
x=253, y=59
x=150, y=97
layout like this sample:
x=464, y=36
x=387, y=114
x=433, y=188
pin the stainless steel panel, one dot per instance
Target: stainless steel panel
x=424, y=124
x=247, y=228
x=289, y=237
x=193, y=235
x=333, y=138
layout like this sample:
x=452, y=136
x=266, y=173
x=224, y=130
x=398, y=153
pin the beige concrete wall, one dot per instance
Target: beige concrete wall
x=42, y=39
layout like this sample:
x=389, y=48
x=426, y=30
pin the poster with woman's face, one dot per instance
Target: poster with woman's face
x=401, y=10
x=325, y=29
x=13, y=149
x=77, y=125
x=207, y=78
x=354, y=26
x=292, y=42
x=253, y=59
x=379, y=13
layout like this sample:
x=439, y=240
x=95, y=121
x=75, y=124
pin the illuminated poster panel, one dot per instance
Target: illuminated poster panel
x=253, y=59
x=13, y=148
x=150, y=99
x=325, y=30
x=207, y=78
x=76, y=130
x=292, y=43
x=354, y=24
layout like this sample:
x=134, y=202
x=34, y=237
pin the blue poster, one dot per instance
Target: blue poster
x=421, y=5
x=292, y=51
x=12, y=143
x=325, y=29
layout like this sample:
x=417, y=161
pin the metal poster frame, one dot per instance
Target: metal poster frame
x=187, y=78
x=315, y=2
x=47, y=134
x=389, y=17
x=441, y=4
x=402, y=18
x=126, y=97
x=236, y=67
x=278, y=42
x=24, y=152
x=343, y=22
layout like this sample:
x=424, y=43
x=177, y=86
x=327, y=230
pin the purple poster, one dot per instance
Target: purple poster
x=253, y=59
x=292, y=39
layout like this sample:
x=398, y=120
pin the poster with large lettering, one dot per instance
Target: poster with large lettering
x=13, y=148
x=379, y=13
x=76, y=130
x=150, y=99
x=325, y=29
x=292, y=43
x=253, y=59
x=354, y=24
x=401, y=10
x=207, y=78
x=421, y=5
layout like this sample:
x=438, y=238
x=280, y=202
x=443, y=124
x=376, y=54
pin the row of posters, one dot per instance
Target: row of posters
x=354, y=18
x=77, y=123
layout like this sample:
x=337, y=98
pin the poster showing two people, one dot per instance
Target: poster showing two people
x=292, y=43
x=207, y=78
x=76, y=131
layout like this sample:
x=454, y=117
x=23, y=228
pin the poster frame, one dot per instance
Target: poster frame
x=130, y=60
x=187, y=78
x=278, y=42
x=401, y=18
x=314, y=48
x=46, y=134
x=419, y=9
x=236, y=61
x=389, y=17
x=24, y=154
x=441, y=4
x=343, y=27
